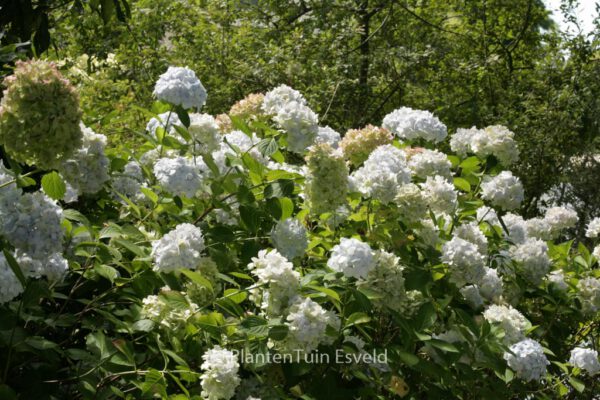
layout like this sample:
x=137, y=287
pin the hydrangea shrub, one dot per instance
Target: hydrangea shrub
x=257, y=255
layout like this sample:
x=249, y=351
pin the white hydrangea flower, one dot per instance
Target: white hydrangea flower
x=290, y=238
x=490, y=286
x=471, y=233
x=589, y=294
x=460, y=142
x=472, y=296
x=325, y=134
x=243, y=143
x=180, y=86
x=585, y=359
x=167, y=120
x=204, y=132
x=517, y=228
x=527, y=359
x=496, y=140
x=504, y=191
x=300, y=123
x=10, y=286
x=386, y=279
x=178, y=176
x=180, y=248
x=464, y=260
x=283, y=282
x=351, y=257
x=596, y=252
x=9, y=194
x=307, y=326
x=34, y=225
x=129, y=182
x=53, y=267
x=532, y=255
x=411, y=202
x=539, y=228
x=382, y=174
x=220, y=377
x=593, y=228
x=278, y=97
x=87, y=169
x=158, y=310
x=487, y=214
x=557, y=279
x=560, y=218
x=430, y=163
x=440, y=194
x=429, y=233
x=410, y=124
x=510, y=319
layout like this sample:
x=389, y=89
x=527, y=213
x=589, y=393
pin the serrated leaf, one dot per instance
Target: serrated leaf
x=54, y=186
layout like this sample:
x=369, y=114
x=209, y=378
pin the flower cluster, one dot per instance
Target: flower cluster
x=290, y=238
x=410, y=124
x=180, y=248
x=326, y=185
x=205, y=133
x=464, y=261
x=532, y=256
x=504, y=191
x=178, y=176
x=357, y=144
x=39, y=115
x=527, y=359
x=351, y=257
x=494, y=140
x=585, y=359
x=510, y=319
x=220, y=377
x=180, y=86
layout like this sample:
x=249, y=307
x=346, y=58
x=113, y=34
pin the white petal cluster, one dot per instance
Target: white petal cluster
x=593, y=228
x=53, y=267
x=129, y=182
x=205, y=133
x=411, y=202
x=471, y=233
x=427, y=162
x=464, y=260
x=351, y=257
x=242, y=143
x=180, y=248
x=440, y=195
x=410, y=124
x=532, y=256
x=9, y=194
x=387, y=280
x=472, y=296
x=560, y=218
x=87, y=169
x=220, y=377
x=589, y=294
x=585, y=359
x=283, y=282
x=496, y=140
x=307, y=326
x=300, y=123
x=167, y=120
x=278, y=97
x=557, y=279
x=527, y=359
x=516, y=226
x=539, y=228
x=290, y=238
x=34, y=225
x=180, y=86
x=10, y=286
x=504, y=191
x=490, y=285
x=178, y=176
x=155, y=308
x=596, y=252
x=325, y=134
x=487, y=214
x=510, y=319
x=382, y=174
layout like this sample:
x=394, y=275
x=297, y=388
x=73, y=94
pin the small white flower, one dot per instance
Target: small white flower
x=220, y=377
x=593, y=228
x=289, y=238
x=10, y=286
x=180, y=86
x=351, y=257
x=504, y=191
x=527, y=359
x=464, y=260
x=510, y=319
x=278, y=97
x=178, y=176
x=410, y=124
x=585, y=359
x=180, y=248
x=440, y=194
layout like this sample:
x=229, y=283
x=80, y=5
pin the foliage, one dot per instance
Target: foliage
x=159, y=285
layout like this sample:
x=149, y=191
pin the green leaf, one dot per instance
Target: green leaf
x=183, y=116
x=357, y=318
x=267, y=147
x=250, y=218
x=280, y=188
x=408, y=358
x=462, y=184
x=329, y=292
x=54, y=186
x=440, y=344
x=197, y=278
x=237, y=296
x=107, y=272
x=577, y=384
x=278, y=332
x=153, y=197
x=15, y=267
x=287, y=207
